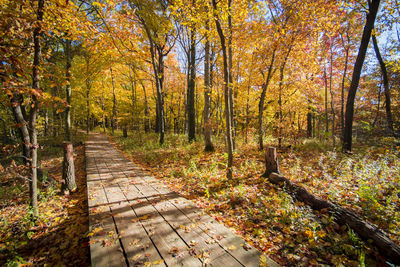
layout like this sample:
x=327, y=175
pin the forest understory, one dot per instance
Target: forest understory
x=267, y=216
x=58, y=237
x=366, y=182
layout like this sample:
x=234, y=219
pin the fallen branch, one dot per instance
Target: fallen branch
x=364, y=229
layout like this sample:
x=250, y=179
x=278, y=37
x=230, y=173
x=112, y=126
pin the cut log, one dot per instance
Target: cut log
x=271, y=161
x=364, y=229
x=68, y=185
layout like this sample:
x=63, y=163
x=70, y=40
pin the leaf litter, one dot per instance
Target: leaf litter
x=266, y=216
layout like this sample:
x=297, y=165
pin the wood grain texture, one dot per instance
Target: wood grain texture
x=148, y=223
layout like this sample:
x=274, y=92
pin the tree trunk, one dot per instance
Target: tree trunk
x=54, y=92
x=332, y=100
x=68, y=185
x=178, y=117
x=281, y=76
x=68, y=57
x=5, y=132
x=378, y=104
x=22, y=126
x=158, y=69
x=389, y=117
x=226, y=93
x=326, y=104
x=342, y=95
x=114, y=108
x=247, y=102
x=309, y=124
x=133, y=94
x=87, y=103
x=369, y=25
x=160, y=97
x=247, y=113
x=34, y=109
x=157, y=124
x=314, y=132
x=191, y=87
x=230, y=76
x=207, y=93
x=46, y=122
x=146, y=111
x=198, y=123
x=103, y=109
x=262, y=101
x=186, y=98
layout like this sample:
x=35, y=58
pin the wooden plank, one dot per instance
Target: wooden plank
x=230, y=242
x=138, y=247
x=189, y=229
x=233, y=244
x=219, y=248
x=194, y=236
x=162, y=234
x=95, y=189
x=153, y=220
x=105, y=249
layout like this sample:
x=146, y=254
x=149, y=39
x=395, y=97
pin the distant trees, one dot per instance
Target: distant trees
x=155, y=20
x=210, y=69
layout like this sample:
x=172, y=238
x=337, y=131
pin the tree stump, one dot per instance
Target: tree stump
x=271, y=161
x=68, y=184
x=125, y=132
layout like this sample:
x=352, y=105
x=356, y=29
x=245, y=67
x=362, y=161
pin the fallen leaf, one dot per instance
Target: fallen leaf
x=106, y=243
x=158, y=262
x=246, y=246
x=136, y=257
x=173, y=250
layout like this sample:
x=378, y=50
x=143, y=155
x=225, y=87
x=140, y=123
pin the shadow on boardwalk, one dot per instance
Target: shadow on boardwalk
x=137, y=221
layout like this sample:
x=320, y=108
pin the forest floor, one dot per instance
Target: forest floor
x=366, y=182
x=59, y=234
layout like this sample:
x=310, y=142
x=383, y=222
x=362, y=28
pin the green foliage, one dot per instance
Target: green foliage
x=357, y=247
x=16, y=261
x=312, y=145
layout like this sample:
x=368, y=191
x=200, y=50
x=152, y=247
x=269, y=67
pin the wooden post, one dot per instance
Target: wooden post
x=68, y=184
x=271, y=161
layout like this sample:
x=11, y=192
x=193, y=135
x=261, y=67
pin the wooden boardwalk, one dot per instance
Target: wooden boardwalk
x=136, y=221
